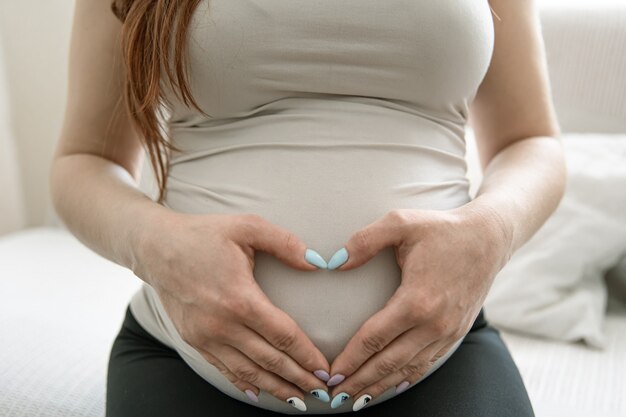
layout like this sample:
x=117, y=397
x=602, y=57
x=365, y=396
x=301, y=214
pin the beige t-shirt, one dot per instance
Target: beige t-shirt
x=324, y=115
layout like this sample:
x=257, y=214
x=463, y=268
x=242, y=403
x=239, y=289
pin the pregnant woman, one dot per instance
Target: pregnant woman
x=313, y=247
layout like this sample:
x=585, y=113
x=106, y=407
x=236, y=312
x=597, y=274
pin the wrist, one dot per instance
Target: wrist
x=147, y=235
x=492, y=224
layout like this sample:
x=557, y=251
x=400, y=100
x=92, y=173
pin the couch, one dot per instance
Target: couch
x=62, y=304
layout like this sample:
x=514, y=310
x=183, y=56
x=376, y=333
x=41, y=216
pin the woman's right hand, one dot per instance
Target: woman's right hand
x=201, y=267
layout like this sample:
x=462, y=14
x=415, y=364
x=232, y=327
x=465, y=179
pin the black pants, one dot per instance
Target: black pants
x=480, y=379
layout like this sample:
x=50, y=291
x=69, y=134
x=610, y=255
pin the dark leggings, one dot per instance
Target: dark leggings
x=480, y=379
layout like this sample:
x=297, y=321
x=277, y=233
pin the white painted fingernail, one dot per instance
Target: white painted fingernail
x=252, y=395
x=402, y=387
x=361, y=402
x=297, y=403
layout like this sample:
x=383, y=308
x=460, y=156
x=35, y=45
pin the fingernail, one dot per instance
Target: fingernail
x=322, y=374
x=315, y=258
x=338, y=259
x=402, y=387
x=361, y=402
x=252, y=395
x=335, y=380
x=339, y=399
x=321, y=395
x=297, y=403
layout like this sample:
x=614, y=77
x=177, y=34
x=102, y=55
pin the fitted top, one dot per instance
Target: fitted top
x=323, y=115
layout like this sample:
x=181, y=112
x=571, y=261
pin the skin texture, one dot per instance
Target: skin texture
x=94, y=179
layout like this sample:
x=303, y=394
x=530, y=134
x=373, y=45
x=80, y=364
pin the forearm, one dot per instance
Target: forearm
x=521, y=187
x=99, y=202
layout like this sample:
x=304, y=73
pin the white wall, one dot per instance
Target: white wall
x=11, y=204
x=35, y=36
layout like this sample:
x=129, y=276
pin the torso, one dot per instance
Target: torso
x=324, y=115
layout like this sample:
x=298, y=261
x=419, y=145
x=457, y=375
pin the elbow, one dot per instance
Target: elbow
x=55, y=187
x=560, y=166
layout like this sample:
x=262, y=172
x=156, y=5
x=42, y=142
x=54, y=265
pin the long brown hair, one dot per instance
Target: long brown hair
x=148, y=26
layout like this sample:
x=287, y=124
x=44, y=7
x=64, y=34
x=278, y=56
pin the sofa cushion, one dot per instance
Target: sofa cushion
x=62, y=306
x=572, y=379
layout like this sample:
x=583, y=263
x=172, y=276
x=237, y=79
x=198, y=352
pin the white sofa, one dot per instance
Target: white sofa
x=62, y=304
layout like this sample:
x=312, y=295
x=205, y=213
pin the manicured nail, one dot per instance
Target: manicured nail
x=335, y=380
x=252, y=395
x=322, y=374
x=315, y=258
x=361, y=402
x=297, y=403
x=402, y=387
x=321, y=395
x=338, y=259
x=339, y=399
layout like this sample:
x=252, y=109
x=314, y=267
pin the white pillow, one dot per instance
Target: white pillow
x=553, y=286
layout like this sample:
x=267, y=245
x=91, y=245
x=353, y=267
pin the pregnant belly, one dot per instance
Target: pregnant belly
x=323, y=193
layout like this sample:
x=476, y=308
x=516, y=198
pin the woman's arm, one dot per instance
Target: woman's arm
x=517, y=132
x=97, y=163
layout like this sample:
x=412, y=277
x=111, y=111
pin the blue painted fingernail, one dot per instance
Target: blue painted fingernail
x=321, y=395
x=339, y=258
x=361, y=402
x=297, y=403
x=339, y=399
x=335, y=380
x=315, y=258
x=252, y=395
x=322, y=374
x=402, y=387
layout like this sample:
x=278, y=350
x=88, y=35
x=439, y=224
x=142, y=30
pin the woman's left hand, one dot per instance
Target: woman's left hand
x=448, y=260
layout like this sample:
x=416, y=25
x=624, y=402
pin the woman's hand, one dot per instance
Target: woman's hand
x=448, y=260
x=201, y=267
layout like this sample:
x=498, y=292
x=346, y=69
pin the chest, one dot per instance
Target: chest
x=244, y=53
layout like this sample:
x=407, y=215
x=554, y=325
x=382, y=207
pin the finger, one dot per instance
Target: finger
x=279, y=242
x=368, y=241
x=245, y=369
x=273, y=360
x=386, y=362
x=250, y=390
x=405, y=377
x=282, y=332
x=372, y=337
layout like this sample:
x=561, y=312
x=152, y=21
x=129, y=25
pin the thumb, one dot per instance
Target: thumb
x=282, y=244
x=368, y=241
